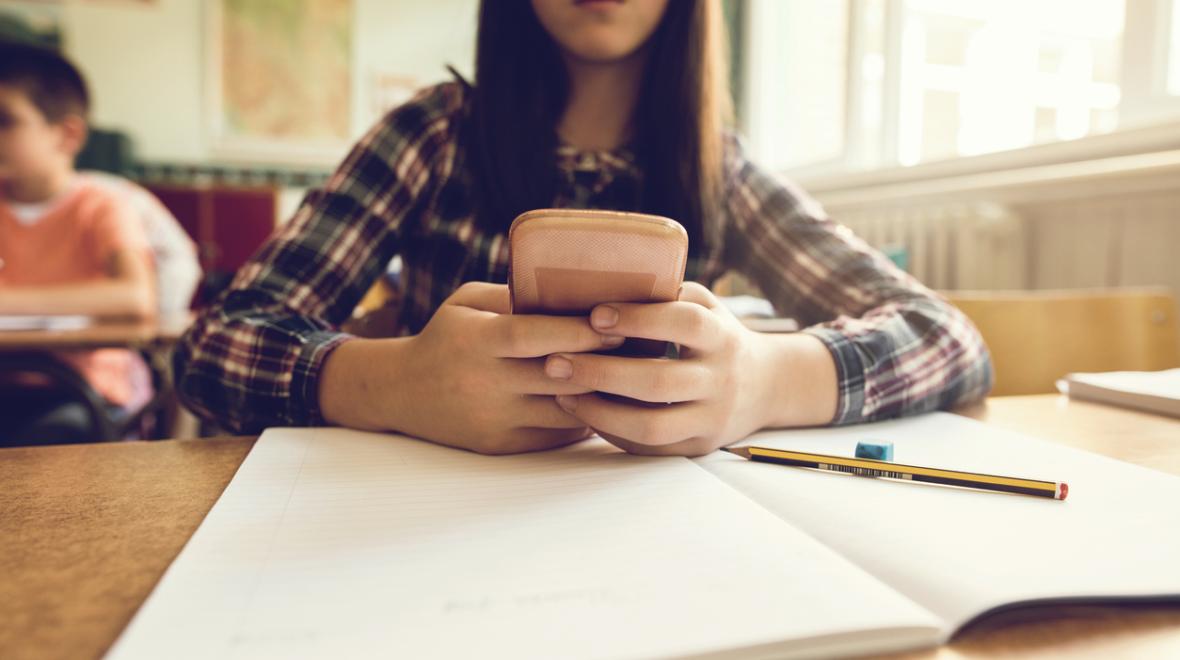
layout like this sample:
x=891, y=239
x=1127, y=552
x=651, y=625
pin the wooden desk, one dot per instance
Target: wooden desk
x=156, y=333
x=86, y=531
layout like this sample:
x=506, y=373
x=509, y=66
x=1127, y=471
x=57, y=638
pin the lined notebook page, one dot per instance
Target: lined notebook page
x=345, y=544
x=962, y=552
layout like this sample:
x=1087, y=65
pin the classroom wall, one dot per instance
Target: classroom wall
x=145, y=62
x=143, y=67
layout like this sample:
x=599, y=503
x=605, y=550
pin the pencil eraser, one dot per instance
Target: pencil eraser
x=881, y=451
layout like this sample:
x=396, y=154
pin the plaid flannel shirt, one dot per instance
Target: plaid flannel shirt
x=253, y=358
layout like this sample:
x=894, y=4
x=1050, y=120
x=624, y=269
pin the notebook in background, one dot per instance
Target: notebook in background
x=1153, y=391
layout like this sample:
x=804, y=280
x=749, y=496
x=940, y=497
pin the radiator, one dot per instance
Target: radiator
x=979, y=245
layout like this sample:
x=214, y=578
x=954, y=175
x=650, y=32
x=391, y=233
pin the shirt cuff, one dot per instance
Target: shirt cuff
x=850, y=375
x=303, y=404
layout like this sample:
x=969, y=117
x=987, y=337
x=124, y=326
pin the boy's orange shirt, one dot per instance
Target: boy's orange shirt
x=71, y=241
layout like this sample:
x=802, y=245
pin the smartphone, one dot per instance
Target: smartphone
x=567, y=261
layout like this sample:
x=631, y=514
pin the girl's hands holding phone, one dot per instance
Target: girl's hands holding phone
x=473, y=378
x=728, y=382
x=482, y=379
x=479, y=374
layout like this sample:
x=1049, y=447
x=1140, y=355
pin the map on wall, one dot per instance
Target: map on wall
x=282, y=76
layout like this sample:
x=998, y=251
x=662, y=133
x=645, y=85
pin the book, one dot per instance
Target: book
x=338, y=543
x=1153, y=391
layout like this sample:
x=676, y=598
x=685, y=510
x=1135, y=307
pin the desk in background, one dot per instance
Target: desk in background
x=148, y=335
x=26, y=350
x=86, y=531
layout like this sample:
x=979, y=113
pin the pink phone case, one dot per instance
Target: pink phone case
x=564, y=261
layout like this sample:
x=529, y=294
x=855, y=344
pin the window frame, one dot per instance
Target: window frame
x=1149, y=116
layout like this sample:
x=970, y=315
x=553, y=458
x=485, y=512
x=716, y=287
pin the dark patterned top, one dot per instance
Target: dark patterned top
x=253, y=359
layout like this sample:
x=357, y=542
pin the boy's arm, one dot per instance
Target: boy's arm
x=126, y=292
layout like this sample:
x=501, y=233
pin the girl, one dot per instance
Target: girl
x=614, y=104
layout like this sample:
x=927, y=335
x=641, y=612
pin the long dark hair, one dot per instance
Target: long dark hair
x=521, y=90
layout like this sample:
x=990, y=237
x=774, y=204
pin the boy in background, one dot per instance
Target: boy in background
x=67, y=244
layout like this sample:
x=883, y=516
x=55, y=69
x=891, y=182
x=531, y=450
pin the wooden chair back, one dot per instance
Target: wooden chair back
x=1036, y=337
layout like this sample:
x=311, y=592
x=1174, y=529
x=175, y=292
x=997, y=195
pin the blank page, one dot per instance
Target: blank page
x=961, y=552
x=333, y=543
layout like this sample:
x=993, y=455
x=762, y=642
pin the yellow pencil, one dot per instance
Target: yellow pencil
x=867, y=467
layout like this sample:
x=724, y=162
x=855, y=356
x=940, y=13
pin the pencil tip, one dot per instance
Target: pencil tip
x=727, y=449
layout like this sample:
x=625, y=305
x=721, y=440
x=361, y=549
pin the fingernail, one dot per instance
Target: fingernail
x=558, y=367
x=613, y=340
x=604, y=316
x=568, y=403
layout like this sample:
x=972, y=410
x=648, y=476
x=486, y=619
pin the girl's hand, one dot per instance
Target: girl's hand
x=719, y=391
x=473, y=378
x=478, y=378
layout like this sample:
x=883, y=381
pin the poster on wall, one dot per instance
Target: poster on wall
x=279, y=78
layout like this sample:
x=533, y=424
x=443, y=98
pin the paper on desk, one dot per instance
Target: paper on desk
x=1154, y=391
x=13, y=322
x=962, y=552
x=334, y=543
x=1164, y=383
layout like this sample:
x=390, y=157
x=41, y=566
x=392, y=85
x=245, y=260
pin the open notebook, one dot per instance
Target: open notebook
x=334, y=543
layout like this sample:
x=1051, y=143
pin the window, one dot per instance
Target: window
x=800, y=75
x=1174, y=51
x=978, y=77
x=845, y=85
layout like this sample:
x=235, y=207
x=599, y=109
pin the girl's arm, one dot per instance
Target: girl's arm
x=898, y=347
x=254, y=358
x=269, y=353
x=878, y=344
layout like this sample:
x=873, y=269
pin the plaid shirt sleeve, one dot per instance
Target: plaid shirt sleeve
x=899, y=348
x=253, y=358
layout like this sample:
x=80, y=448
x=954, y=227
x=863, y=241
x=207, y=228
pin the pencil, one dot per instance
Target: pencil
x=867, y=467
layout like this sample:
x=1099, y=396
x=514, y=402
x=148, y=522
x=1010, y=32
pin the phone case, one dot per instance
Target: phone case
x=566, y=261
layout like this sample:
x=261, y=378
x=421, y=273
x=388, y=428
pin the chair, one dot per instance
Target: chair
x=1036, y=337
x=104, y=423
x=376, y=315
x=66, y=384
